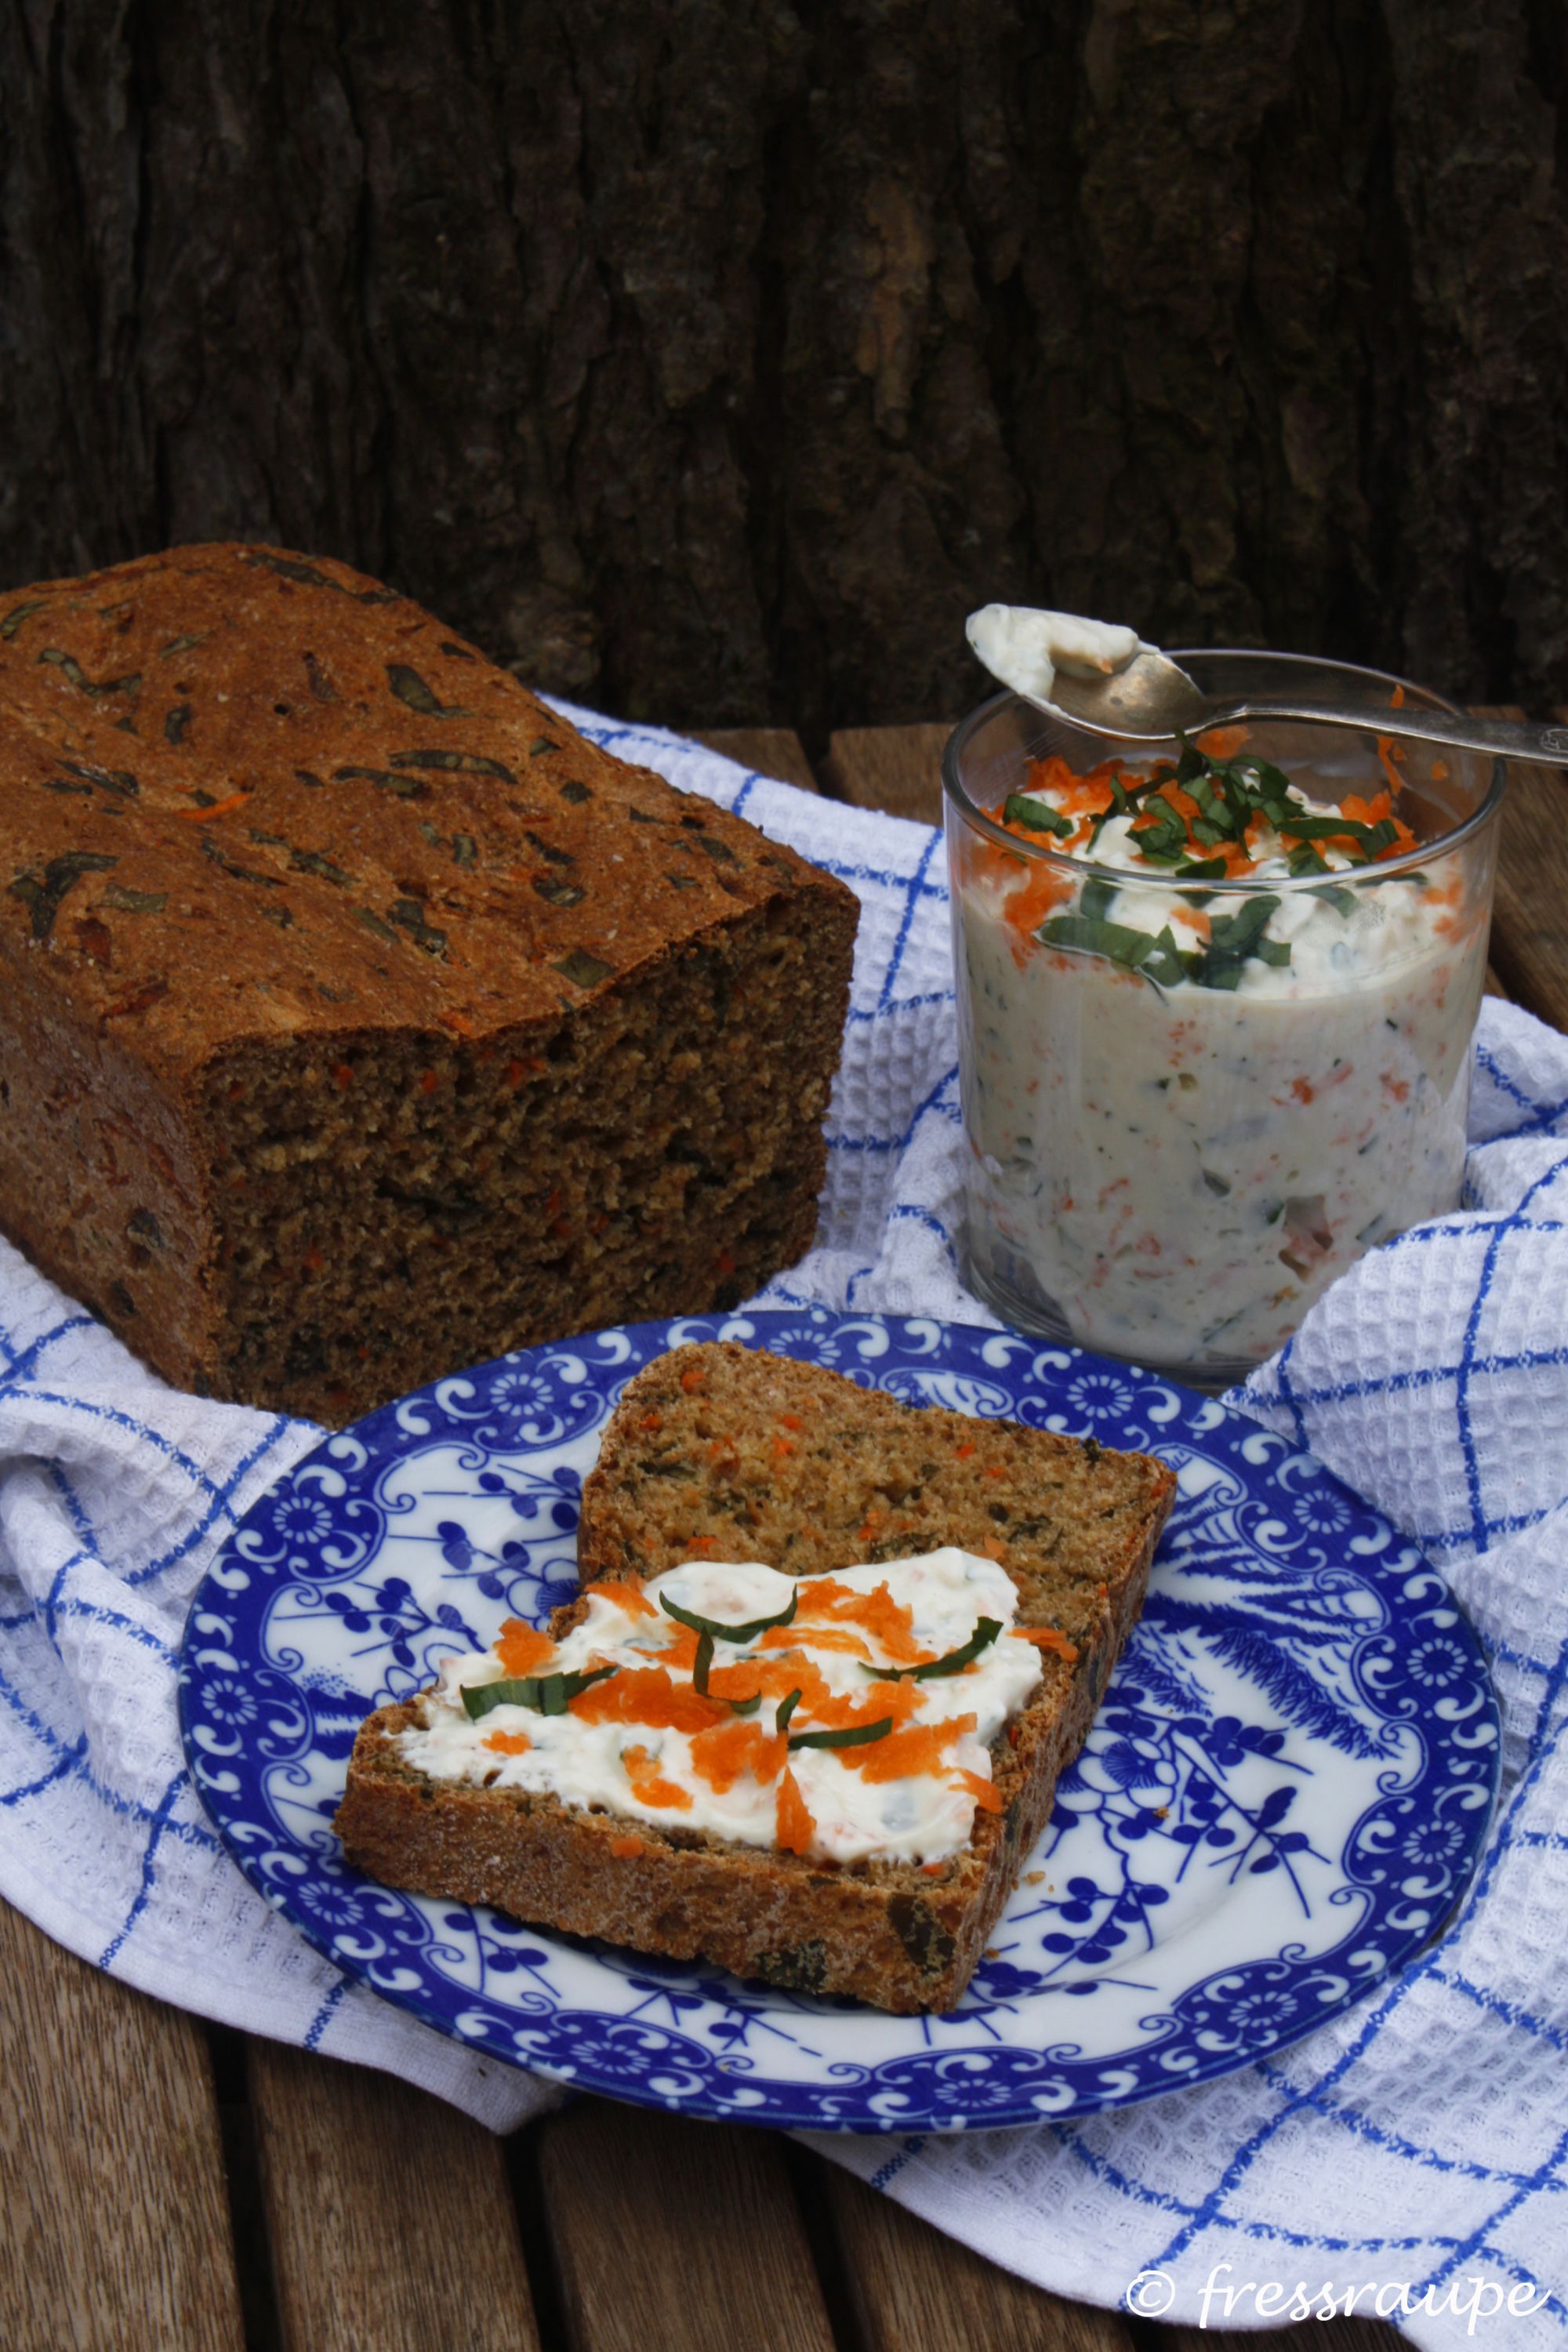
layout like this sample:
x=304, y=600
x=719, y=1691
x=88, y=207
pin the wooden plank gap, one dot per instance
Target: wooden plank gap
x=522, y=2153
x=810, y=2178
x=242, y=2175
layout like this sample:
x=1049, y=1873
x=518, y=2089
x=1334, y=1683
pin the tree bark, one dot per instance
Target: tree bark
x=710, y=359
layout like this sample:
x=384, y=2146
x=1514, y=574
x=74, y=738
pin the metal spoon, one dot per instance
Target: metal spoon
x=1153, y=699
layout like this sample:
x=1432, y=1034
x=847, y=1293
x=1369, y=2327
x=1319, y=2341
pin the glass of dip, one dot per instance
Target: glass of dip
x=1192, y=1098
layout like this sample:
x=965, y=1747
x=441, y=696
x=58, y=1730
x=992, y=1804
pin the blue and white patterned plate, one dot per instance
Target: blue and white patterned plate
x=1285, y=1790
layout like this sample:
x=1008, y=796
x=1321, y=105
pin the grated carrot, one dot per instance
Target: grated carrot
x=642, y=1771
x=983, y=1791
x=629, y=1597
x=218, y=808
x=509, y=1743
x=917, y=1749
x=646, y=1696
x=794, y=1824
x=523, y=1649
x=1045, y=1637
x=721, y=1756
x=886, y=1620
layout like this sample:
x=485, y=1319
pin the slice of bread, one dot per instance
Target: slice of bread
x=716, y=1452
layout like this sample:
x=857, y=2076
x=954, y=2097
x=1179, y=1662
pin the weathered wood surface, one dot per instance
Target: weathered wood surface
x=771, y=750
x=116, y=2227
x=674, y=2236
x=712, y=358
x=897, y=769
x=914, y=2290
x=389, y=2215
x=1530, y=928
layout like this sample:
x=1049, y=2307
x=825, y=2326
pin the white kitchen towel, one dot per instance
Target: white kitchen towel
x=1419, y=2139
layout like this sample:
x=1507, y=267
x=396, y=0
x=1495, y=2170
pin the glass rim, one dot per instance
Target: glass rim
x=1409, y=861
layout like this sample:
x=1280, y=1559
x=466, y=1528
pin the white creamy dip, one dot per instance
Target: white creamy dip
x=1024, y=647
x=656, y=1773
x=1177, y=1170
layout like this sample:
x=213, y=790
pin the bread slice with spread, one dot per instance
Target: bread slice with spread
x=807, y=1717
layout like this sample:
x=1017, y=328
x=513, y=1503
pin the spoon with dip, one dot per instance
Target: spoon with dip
x=1103, y=677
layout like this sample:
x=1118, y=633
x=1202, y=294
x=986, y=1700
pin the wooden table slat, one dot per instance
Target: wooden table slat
x=390, y=2215
x=895, y=768
x=771, y=750
x=675, y=2236
x=1529, y=926
x=915, y=2290
x=116, y=2223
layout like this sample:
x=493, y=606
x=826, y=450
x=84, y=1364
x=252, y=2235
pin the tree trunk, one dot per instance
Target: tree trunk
x=709, y=358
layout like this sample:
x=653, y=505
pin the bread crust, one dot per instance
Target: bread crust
x=317, y=930
x=892, y=1934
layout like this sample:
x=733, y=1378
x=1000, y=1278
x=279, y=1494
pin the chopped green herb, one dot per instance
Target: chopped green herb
x=716, y=1627
x=854, y=1734
x=786, y=1708
x=545, y=1694
x=1036, y=815
x=984, y=1633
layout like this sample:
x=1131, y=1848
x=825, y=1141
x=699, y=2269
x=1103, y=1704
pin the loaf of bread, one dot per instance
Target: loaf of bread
x=799, y=1468
x=360, y=1020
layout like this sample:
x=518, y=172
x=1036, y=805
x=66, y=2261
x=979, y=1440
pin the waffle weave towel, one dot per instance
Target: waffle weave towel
x=1419, y=2138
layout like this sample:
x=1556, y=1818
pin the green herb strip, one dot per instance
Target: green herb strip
x=1160, y=958
x=984, y=1633
x=856, y=1735
x=786, y=1708
x=700, y=1665
x=1036, y=815
x=545, y=1694
x=716, y=1626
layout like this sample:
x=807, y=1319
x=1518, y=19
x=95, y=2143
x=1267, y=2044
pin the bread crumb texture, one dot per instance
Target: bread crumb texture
x=364, y=1019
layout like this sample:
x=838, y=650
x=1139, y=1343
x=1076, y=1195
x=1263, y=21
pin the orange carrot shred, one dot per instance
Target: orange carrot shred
x=629, y=1597
x=523, y=1649
x=793, y=1823
x=509, y=1743
x=983, y=1791
x=625, y=1849
x=218, y=808
x=643, y=1773
x=1047, y=1637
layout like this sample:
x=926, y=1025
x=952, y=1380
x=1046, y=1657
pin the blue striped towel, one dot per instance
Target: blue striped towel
x=1420, y=2139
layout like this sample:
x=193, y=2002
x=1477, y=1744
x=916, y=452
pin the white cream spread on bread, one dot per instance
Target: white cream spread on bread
x=738, y=1760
